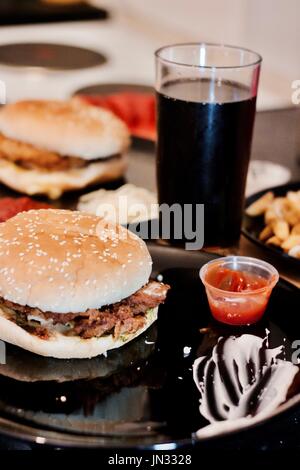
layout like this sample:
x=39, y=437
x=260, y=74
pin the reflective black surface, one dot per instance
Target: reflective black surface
x=142, y=394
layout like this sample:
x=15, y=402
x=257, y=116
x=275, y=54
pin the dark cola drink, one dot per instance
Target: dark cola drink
x=204, y=141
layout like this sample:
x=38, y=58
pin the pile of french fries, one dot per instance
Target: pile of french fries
x=282, y=220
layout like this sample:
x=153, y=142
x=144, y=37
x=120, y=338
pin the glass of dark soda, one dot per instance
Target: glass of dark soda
x=206, y=101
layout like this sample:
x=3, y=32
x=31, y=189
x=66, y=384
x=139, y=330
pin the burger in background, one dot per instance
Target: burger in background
x=49, y=147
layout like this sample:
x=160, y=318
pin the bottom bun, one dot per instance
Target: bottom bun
x=66, y=347
x=25, y=366
x=55, y=183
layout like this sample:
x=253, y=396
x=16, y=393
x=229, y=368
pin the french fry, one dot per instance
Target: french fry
x=281, y=229
x=274, y=241
x=282, y=220
x=280, y=205
x=291, y=217
x=296, y=229
x=294, y=197
x=294, y=205
x=270, y=216
x=290, y=242
x=266, y=233
x=261, y=205
x=295, y=251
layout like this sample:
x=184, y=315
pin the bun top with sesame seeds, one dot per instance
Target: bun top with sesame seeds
x=67, y=261
x=69, y=128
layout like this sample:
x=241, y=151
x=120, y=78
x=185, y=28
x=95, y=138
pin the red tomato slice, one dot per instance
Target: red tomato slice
x=144, y=108
x=121, y=105
x=137, y=110
x=145, y=132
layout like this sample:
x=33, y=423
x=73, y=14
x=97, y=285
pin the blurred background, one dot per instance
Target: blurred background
x=130, y=30
x=113, y=42
x=270, y=27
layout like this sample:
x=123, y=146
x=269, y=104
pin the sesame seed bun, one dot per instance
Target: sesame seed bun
x=69, y=128
x=62, y=261
x=55, y=183
x=66, y=347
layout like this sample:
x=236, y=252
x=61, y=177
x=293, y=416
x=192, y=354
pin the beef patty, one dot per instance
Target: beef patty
x=121, y=318
x=32, y=158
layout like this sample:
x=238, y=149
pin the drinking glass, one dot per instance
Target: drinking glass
x=206, y=102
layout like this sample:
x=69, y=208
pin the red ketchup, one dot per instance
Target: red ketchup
x=12, y=206
x=238, y=296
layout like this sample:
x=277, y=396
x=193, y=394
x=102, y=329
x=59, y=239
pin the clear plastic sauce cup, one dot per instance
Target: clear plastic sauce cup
x=238, y=288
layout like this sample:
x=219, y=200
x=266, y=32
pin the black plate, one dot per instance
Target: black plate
x=143, y=394
x=252, y=226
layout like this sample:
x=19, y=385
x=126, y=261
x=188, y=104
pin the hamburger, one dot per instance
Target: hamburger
x=72, y=286
x=49, y=147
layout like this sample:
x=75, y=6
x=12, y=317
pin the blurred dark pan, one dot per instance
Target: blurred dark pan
x=49, y=56
x=37, y=11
